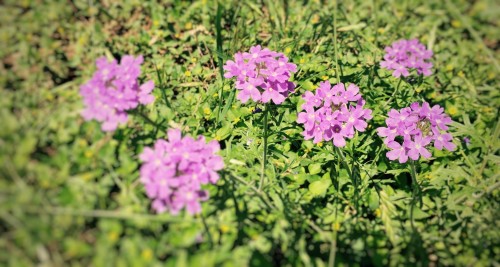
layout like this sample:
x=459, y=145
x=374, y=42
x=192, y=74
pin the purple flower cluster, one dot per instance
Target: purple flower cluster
x=407, y=54
x=411, y=129
x=174, y=171
x=333, y=113
x=262, y=75
x=113, y=90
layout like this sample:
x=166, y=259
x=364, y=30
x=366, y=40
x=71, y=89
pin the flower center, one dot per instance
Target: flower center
x=335, y=107
x=109, y=83
x=336, y=128
x=424, y=125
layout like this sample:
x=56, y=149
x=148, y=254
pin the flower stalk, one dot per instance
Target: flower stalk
x=416, y=189
x=264, y=153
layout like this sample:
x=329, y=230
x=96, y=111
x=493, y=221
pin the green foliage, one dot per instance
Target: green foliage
x=70, y=195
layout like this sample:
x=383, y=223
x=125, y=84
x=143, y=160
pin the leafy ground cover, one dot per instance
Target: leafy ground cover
x=70, y=193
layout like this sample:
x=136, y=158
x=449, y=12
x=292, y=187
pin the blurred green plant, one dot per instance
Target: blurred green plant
x=70, y=193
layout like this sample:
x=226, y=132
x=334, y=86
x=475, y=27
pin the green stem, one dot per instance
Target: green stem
x=344, y=161
x=415, y=186
x=354, y=179
x=264, y=154
x=219, y=40
x=261, y=194
x=207, y=230
x=162, y=89
x=146, y=118
x=335, y=42
x=333, y=250
x=333, y=245
x=394, y=93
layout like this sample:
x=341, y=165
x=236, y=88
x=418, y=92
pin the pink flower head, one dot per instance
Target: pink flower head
x=411, y=130
x=262, y=75
x=113, y=90
x=174, y=170
x=333, y=113
x=407, y=54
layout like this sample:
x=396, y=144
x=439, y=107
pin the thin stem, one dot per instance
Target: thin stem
x=207, y=230
x=218, y=29
x=264, y=154
x=266, y=200
x=261, y=194
x=146, y=118
x=333, y=245
x=354, y=179
x=344, y=161
x=333, y=250
x=471, y=166
x=335, y=42
x=413, y=173
x=316, y=228
x=162, y=89
x=415, y=186
x=394, y=93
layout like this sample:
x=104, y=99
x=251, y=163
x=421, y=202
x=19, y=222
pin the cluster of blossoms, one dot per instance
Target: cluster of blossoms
x=411, y=129
x=407, y=54
x=174, y=171
x=333, y=113
x=261, y=74
x=113, y=90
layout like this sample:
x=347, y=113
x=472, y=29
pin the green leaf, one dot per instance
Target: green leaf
x=352, y=27
x=419, y=214
x=319, y=188
x=224, y=132
x=308, y=85
x=373, y=201
x=314, y=168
